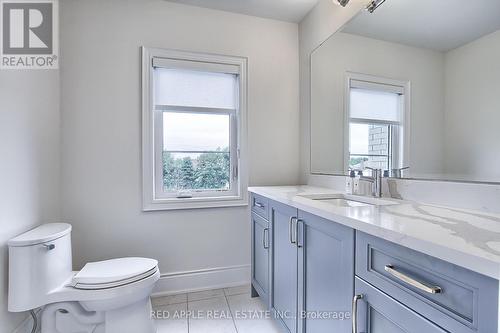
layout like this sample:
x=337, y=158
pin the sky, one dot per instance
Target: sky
x=358, y=138
x=188, y=131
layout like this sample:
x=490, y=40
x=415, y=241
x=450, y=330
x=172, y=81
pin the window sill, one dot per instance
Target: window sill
x=194, y=203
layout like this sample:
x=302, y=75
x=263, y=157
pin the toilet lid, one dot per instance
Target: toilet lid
x=114, y=272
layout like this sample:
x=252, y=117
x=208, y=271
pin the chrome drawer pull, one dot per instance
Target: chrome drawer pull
x=265, y=238
x=412, y=282
x=293, y=240
x=355, y=312
x=258, y=204
x=299, y=237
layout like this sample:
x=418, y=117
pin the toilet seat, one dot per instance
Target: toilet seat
x=114, y=273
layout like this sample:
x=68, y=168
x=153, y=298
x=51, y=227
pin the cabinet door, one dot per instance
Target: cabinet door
x=379, y=313
x=260, y=255
x=326, y=275
x=284, y=263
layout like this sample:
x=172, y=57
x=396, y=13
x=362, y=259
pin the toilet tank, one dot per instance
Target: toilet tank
x=40, y=261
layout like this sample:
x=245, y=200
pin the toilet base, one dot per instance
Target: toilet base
x=133, y=318
x=69, y=317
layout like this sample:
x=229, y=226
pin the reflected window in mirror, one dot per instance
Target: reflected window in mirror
x=376, y=121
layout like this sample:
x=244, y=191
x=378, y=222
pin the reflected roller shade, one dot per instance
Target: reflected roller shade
x=375, y=105
x=376, y=101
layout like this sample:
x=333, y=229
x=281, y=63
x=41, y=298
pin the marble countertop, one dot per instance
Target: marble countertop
x=467, y=238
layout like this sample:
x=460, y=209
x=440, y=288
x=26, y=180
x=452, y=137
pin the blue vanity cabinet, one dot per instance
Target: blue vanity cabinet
x=456, y=299
x=308, y=270
x=284, y=265
x=311, y=274
x=376, y=312
x=325, y=274
x=261, y=243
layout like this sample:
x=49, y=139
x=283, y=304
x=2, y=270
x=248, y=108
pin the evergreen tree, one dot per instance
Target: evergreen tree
x=168, y=170
x=208, y=171
x=212, y=170
x=186, y=174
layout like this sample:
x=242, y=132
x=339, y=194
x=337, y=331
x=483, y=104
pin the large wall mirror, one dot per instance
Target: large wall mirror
x=414, y=85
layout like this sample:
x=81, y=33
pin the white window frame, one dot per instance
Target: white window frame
x=400, y=156
x=152, y=132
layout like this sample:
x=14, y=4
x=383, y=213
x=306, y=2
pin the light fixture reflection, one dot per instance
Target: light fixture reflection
x=343, y=3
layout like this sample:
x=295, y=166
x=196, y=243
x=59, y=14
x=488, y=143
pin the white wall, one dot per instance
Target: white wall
x=29, y=162
x=472, y=109
x=423, y=68
x=100, y=105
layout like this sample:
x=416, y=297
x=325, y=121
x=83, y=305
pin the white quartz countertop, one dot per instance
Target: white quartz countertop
x=470, y=239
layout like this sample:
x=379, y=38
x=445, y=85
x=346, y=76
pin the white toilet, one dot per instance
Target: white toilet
x=111, y=296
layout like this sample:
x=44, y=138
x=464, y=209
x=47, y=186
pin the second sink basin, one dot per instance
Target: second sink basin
x=348, y=200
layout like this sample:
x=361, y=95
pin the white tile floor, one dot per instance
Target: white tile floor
x=213, y=311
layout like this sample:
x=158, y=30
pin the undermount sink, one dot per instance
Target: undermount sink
x=348, y=200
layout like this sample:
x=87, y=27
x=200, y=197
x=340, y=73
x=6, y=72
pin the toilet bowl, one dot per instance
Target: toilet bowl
x=111, y=296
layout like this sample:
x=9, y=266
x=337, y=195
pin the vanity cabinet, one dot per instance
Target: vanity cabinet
x=456, y=299
x=325, y=271
x=312, y=271
x=284, y=265
x=261, y=244
x=260, y=255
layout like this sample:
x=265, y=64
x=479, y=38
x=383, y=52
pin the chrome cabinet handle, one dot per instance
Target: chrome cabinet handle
x=355, y=312
x=49, y=247
x=265, y=238
x=412, y=282
x=293, y=239
x=299, y=236
x=258, y=204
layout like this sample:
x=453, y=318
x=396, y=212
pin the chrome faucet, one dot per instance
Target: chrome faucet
x=376, y=180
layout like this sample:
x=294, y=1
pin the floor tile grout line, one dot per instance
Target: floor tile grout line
x=163, y=305
x=204, y=299
x=188, y=315
x=188, y=301
x=232, y=315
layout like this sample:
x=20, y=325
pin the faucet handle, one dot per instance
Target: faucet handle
x=375, y=172
x=359, y=172
x=396, y=172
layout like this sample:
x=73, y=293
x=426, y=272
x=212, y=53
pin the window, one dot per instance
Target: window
x=376, y=123
x=194, y=127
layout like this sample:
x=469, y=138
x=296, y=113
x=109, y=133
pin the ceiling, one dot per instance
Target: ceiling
x=284, y=10
x=434, y=24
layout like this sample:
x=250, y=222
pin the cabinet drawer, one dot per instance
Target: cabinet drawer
x=463, y=301
x=379, y=313
x=260, y=205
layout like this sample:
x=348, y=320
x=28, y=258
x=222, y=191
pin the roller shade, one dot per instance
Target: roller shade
x=212, y=67
x=193, y=88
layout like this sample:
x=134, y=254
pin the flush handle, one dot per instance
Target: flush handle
x=49, y=247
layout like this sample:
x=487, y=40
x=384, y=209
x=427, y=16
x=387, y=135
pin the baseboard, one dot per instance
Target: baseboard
x=27, y=324
x=203, y=279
